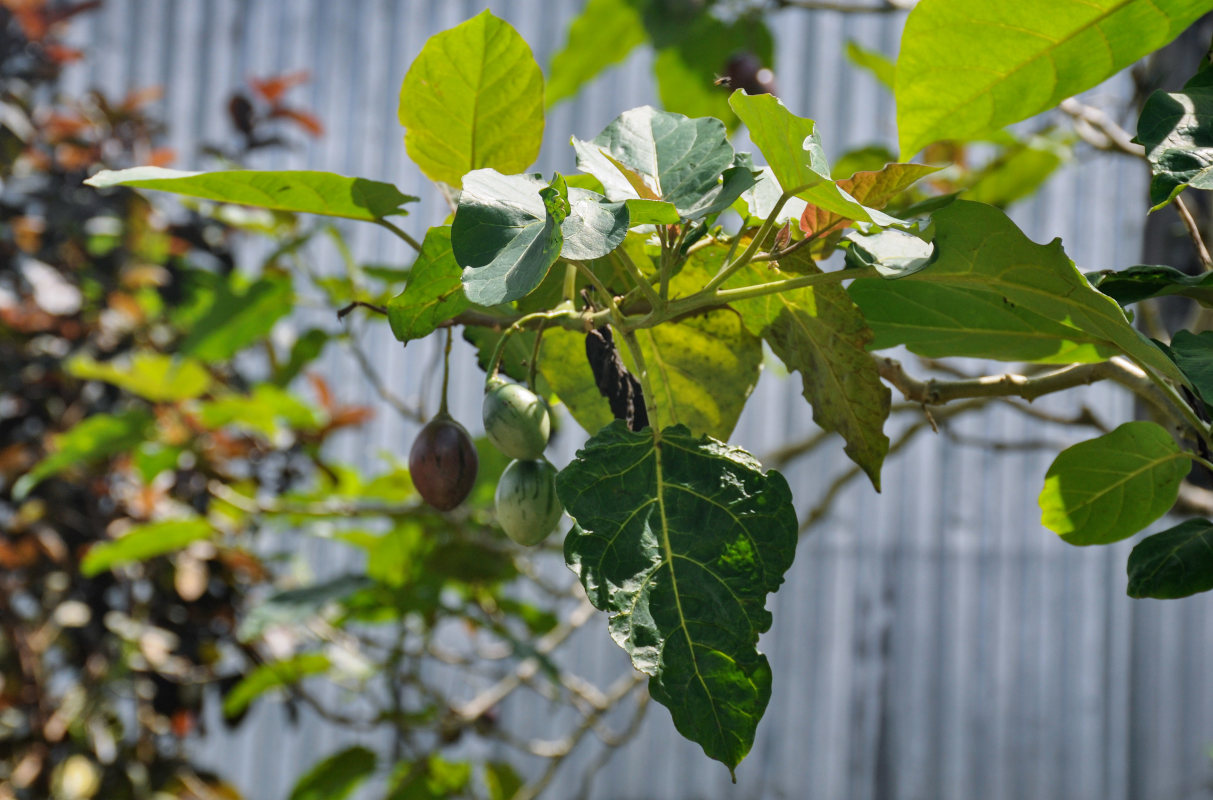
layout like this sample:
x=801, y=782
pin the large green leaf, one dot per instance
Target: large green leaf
x=153, y=376
x=302, y=191
x=337, y=776
x=1193, y=354
x=679, y=161
x=1177, y=562
x=603, y=34
x=96, y=438
x=1142, y=282
x=794, y=152
x=506, y=234
x=680, y=540
x=234, y=319
x=272, y=675
x=1108, y=488
x=473, y=98
x=143, y=542
x=819, y=332
x=434, y=291
x=994, y=293
x=967, y=68
x=1177, y=131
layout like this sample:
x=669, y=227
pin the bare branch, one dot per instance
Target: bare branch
x=1198, y=241
x=1099, y=130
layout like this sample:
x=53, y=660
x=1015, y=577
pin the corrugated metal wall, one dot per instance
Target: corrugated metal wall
x=932, y=642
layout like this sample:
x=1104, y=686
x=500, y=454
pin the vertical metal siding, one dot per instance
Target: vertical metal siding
x=934, y=642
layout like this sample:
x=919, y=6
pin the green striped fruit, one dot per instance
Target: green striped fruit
x=515, y=419
x=527, y=507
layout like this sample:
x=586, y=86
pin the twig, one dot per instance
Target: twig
x=613, y=743
x=346, y=309
x=888, y=6
x=372, y=377
x=1099, y=130
x=1198, y=241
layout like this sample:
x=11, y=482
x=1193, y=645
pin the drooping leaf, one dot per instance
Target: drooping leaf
x=434, y=291
x=1177, y=562
x=506, y=235
x=680, y=539
x=337, y=776
x=272, y=675
x=1193, y=354
x=143, y=542
x=994, y=293
x=893, y=253
x=1108, y=488
x=873, y=189
x=235, y=319
x=1138, y=283
x=793, y=150
x=153, y=376
x=603, y=34
x=680, y=161
x=878, y=64
x=819, y=332
x=472, y=99
x=968, y=68
x=1176, y=128
x=303, y=191
x=93, y=439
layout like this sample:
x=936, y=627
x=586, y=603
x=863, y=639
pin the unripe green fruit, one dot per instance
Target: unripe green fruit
x=516, y=420
x=527, y=506
x=443, y=463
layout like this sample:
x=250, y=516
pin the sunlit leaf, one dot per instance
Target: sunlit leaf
x=142, y=542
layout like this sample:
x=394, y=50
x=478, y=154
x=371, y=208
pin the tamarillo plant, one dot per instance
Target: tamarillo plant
x=644, y=311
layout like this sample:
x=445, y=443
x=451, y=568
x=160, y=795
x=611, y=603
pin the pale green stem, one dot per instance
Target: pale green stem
x=409, y=240
x=732, y=266
x=645, y=287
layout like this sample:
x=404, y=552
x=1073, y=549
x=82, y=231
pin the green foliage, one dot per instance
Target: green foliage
x=152, y=376
x=96, y=438
x=603, y=34
x=680, y=540
x=473, y=99
x=1139, y=283
x=273, y=675
x=143, y=542
x=1109, y=488
x=337, y=776
x=1177, y=562
x=1175, y=128
x=966, y=69
x=433, y=293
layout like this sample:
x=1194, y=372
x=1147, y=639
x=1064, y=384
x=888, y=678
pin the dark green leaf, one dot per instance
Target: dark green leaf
x=306, y=349
x=505, y=235
x=818, y=331
x=272, y=675
x=1108, y=488
x=1134, y=284
x=967, y=68
x=993, y=293
x=1177, y=562
x=143, y=542
x=235, y=319
x=287, y=190
x=336, y=777
x=1177, y=131
x=680, y=540
x=93, y=439
x=434, y=292
x=679, y=160
x=473, y=98
x=602, y=35
x=1193, y=354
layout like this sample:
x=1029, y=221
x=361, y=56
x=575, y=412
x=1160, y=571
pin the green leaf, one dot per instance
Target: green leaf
x=297, y=606
x=337, y=776
x=153, y=376
x=1143, y=282
x=874, y=189
x=505, y=235
x=500, y=777
x=994, y=293
x=267, y=410
x=818, y=331
x=968, y=68
x=143, y=542
x=603, y=34
x=594, y=227
x=235, y=319
x=1177, y=131
x=472, y=99
x=1018, y=171
x=434, y=292
x=287, y=190
x=1193, y=354
x=272, y=675
x=1108, y=488
x=680, y=161
x=93, y=439
x=693, y=53
x=434, y=779
x=1177, y=562
x=878, y=64
x=304, y=351
x=794, y=152
x=893, y=253
x=680, y=540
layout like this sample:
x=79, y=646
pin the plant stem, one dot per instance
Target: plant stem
x=621, y=256
x=446, y=373
x=409, y=240
x=1202, y=251
x=570, y=282
x=732, y=266
x=534, y=364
